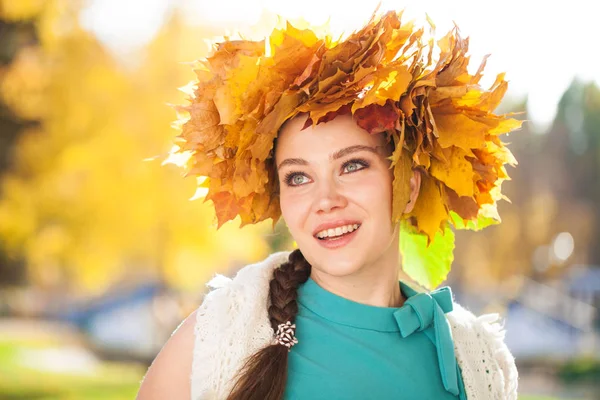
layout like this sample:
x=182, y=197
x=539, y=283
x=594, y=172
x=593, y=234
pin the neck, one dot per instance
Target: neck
x=375, y=284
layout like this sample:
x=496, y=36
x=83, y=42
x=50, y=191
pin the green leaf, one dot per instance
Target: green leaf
x=429, y=266
x=481, y=222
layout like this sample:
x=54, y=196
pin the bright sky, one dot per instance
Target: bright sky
x=541, y=45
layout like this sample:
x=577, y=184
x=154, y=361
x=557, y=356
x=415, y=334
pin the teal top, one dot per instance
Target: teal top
x=349, y=350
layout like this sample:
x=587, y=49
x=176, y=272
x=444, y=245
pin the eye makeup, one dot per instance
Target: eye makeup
x=291, y=175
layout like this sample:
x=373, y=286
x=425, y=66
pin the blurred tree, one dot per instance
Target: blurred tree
x=81, y=205
x=17, y=30
x=578, y=119
x=484, y=259
x=82, y=209
x=554, y=189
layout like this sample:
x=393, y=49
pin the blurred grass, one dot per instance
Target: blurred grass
x=110, y=380
x=19, y=380
x=580, y=369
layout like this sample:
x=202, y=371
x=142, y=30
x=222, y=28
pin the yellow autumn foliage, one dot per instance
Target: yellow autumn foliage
x=82, y=205
x=12, y=10
x=438, y=116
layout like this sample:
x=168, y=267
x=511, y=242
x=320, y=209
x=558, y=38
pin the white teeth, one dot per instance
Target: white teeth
x=338, y=231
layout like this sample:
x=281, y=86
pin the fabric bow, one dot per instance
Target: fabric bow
x=425, y=312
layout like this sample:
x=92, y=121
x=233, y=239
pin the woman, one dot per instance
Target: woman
x=353, y=143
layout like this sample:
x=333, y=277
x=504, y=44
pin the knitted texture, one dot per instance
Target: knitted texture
x=232, y=323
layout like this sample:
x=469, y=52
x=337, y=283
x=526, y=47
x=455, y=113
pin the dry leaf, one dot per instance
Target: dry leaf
x=456, y=173
x=440, y=118
x=401, y=184
x=430, y=210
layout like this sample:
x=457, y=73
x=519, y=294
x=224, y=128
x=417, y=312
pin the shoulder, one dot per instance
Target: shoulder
x=188, y=350
x=481, y=349
x=257, y=273
x=232, y=306
x=168, y=375
x=230, y=299
x=249, y=286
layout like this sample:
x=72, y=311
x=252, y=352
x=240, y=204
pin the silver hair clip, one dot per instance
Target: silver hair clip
x=285, y=335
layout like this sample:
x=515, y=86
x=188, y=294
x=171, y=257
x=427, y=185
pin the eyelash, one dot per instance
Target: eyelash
x=290, y=175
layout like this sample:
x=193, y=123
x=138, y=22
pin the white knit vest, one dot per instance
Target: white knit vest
x=232, y=323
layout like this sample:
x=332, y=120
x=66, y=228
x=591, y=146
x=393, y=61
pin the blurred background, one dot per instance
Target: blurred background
x=102, y=254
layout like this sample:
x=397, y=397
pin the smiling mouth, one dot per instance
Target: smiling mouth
x=338, y=233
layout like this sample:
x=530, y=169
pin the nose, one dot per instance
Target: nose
x=328, y=197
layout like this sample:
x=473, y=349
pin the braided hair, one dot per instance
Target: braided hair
x=264, y=374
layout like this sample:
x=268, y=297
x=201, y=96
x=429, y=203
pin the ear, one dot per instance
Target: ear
x=415, y=186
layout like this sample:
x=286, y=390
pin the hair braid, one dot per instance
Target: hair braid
x=283, y=289
x=264, y=375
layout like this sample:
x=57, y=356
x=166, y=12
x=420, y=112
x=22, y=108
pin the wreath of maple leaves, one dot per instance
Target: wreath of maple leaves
x=439, y=117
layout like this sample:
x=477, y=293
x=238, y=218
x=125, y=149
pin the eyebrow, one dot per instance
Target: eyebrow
x=338, y=154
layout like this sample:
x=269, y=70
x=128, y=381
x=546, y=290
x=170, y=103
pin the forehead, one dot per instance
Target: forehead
x=322, y=139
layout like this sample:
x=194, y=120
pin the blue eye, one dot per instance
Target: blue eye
x=355, y=165
x=295, y=179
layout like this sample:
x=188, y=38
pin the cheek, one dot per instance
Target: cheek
x=294, y=209
x=374, y=191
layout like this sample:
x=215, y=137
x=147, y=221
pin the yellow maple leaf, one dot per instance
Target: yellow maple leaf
x=430, y=210
x=456, y=172
x=266, y=131
x=452, y=128
x=385, y=84
x=401, y=184
x=230, y=98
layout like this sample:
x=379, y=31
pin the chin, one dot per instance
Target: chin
x=336, y=263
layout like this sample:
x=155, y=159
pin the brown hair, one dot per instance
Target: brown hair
x=264, y=374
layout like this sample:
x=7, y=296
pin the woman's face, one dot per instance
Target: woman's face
x=334, y=178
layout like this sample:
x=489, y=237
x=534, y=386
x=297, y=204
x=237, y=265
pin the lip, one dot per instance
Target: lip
x=334, y=224
x=337, y=243
x=343, y=240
